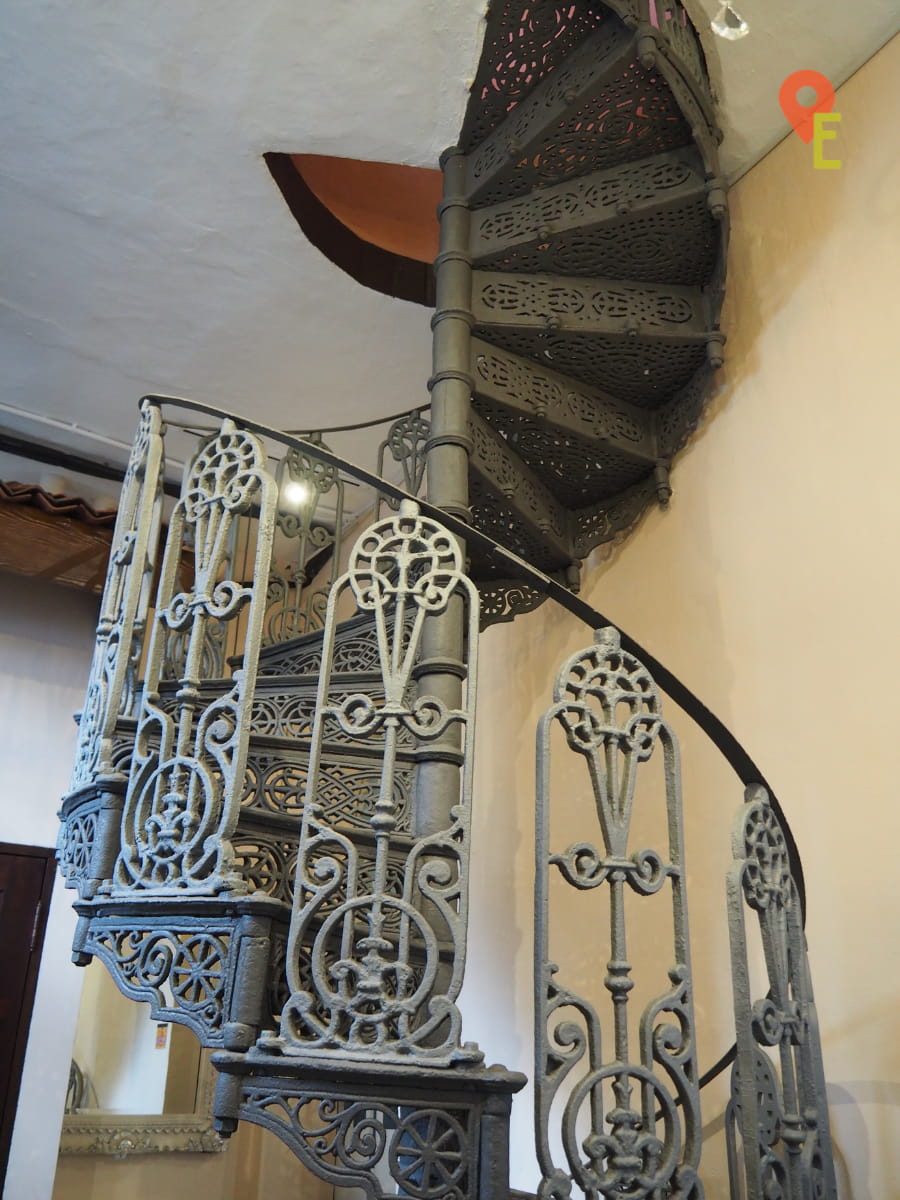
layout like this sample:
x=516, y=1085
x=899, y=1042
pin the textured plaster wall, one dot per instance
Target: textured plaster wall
x=771, y=586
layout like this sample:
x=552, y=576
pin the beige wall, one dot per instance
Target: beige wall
x=255, y=1163
x=772, y=587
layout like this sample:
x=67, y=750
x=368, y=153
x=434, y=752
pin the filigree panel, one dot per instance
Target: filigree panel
x=779, y=1104
x=293, y=606
x=601, y=108
x=266, y=861
x=406, y=443
x=503, y=469
x=389, y=994
x=627, y=1110
x=504, y=599
x=672, y=245
x=523, y=44
x=355, y=653
x=187, y=771
x=678, y=420
x=524, y=386
x=494, y=515
x=185, y=973
x=429, y=1152
x=588, y=201
x=599, y=306
x=576, y=470
x=290, y=715
x=603, y=522
x=123, y=609
x=672, y=20
x=77, y=838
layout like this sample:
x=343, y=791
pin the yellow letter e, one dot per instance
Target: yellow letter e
x=820, y=135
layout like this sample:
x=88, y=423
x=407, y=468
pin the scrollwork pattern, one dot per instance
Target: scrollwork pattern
x=429, y=1153
x=629, y=1113
x=383, y=928
x=406, y=441
x=125, y=602
x=185, y=974
x=188, y=766
x=643, y=371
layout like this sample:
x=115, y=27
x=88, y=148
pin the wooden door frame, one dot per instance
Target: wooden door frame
x=8, y=1113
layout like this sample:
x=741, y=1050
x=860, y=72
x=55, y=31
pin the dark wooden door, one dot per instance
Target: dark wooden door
x=26, y=880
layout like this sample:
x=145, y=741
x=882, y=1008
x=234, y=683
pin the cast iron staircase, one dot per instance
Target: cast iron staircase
x=597, y=240
x=273, y=848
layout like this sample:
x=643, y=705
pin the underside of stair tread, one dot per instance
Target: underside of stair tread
x=677, y=244
x=523, y=44
x=645, y=373
x=577, y=471
x=597, y=237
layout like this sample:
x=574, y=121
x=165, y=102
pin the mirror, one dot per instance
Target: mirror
x=137, y=1085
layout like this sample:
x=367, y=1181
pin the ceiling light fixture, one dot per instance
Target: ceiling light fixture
x=729, y=24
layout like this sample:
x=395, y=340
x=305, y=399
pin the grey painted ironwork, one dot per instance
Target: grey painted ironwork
x=587, y=185
x=649, y=221
x=778, y=1103
x=123, y=609
x=587, y=203
x=387, y=948
x=188, y=766
x=406, y=441
x=91, y=812
x=505, y=599
x=604, y=521
x=560, y=121
x=500, y=468
x=294, y=606
x=630, y=1111
x=207, y=968
x=598, y=306
x=562, y=403
x=426, y=1133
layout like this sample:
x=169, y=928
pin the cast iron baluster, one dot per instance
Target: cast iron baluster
x=782, y=1114
x=609, y=708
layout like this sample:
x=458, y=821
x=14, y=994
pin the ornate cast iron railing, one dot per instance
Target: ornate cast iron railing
x=256, y=855
x=376, y=950
x=637, y=1143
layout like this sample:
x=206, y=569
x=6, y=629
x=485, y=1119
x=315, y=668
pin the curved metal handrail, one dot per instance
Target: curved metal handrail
x=714, y=728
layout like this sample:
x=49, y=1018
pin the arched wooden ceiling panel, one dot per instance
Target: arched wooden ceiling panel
x=376, y=221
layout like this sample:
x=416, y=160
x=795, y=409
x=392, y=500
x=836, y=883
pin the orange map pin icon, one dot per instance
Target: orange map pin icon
x=801, y=115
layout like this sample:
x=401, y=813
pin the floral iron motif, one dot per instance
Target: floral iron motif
x=188, y=767
x=384, y=929
x=407, y=440
x=621, y=1131
x=778, y=1103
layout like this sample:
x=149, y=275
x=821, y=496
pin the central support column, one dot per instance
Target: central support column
x=441, y=671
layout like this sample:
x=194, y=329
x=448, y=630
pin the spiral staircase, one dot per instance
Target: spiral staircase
x=269, y=821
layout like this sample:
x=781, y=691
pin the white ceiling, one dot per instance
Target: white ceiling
x=145, y=247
